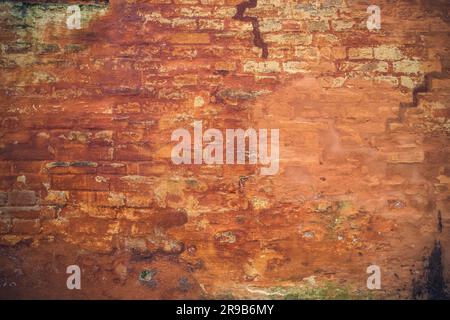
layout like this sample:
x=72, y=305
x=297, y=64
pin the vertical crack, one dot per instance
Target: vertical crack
x=439, y=222
x=257, y=38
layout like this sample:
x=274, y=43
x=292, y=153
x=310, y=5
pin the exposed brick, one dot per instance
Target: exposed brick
x=262, y=67
x=139, y=200
x=22, y=198
x=5, y=225
x=440, y=84
x=289, y=39
x=134, y=152
x=293, y=67
x=408, y=66
x=408, y=82
x=86, y=175
x=3, y=198
x=407, y=156
x=341, y=25
x=93, y=226
x=79, y=182
x=110, y=199
x=20, y=226
x=379, y=66
x=5, y=167
x=388, y=80
x=360, y=53
x=207, y=24
x=387, y=53
x=21, y=212
x=58, y=198
x=307, y=53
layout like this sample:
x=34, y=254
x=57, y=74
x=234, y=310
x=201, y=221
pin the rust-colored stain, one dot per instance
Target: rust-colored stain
x=86, y=170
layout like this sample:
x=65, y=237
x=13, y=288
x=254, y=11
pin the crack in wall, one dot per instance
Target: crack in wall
x=424, y=87
x=257, y=38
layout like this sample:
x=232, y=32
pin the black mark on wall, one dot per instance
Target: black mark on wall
x=257, y=38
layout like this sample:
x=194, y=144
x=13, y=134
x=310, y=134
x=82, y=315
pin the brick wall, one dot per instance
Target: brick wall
x=87, y=179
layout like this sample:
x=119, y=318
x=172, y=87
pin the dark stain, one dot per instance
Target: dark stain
x=257, y=38
x=435, y=281
x=439, y=222
x=184, y=285
x=424, y=87
x=433, y=287
x=147, y=277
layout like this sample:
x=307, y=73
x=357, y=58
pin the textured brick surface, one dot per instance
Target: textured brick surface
x=87, y=115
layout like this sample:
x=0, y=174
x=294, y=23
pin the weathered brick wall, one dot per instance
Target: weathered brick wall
x=87, y=179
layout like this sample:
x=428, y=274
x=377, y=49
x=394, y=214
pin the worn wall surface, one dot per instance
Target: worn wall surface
x=85, y=143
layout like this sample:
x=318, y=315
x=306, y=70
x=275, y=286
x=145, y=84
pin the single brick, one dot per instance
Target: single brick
x=340, y=25
x=373, y=66
x=407, y=66
x=225, y=66
x=293, y=67
x=93, y=226
x=110, y=199
x=185, y=80
x=407, y=156
x=184, y=24
x=270, y=25
x=192, y=38
x=79, y=182
x=22, y=198
x=387, y=53
x=307, y=53
x=393, y=81
x=262, y=67
x=408, y=82
x=339, y=52
x=139, y=200
x=440, y=84
x=22, y=226
x=211, y=24
x=22, y=212
x=58, y=198
x=133, y=152
x=3, y=198
x=318, y=26
x=5, y=225
x=289, y=39
x=360, y=53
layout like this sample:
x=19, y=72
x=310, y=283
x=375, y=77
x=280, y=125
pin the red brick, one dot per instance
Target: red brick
x=80, y=182
x=20, y=226
x=133, y=152
x=3, y=198
x=22, y=198
x=190, y=38
x=5, y=225
x=5, y=167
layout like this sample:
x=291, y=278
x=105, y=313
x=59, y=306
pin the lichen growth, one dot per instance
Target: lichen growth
x=327, y=291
